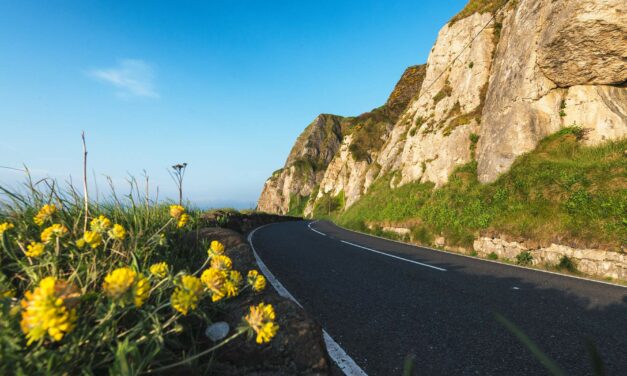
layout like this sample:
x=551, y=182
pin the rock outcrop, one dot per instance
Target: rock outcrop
x=551, y=68
x=305, y=165
x=494, y=84
x=335, y=148
x=434, y=135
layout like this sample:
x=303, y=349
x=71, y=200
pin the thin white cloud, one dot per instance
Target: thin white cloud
x=132, y=78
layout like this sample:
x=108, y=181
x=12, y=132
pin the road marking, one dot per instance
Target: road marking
x=481, y=259
x=339, y=356
x=396, y=257
x=314, y=230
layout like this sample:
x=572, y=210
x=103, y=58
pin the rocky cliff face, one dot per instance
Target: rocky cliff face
x=552, y=68
x=305, y=165
x=319, y=149
x=494, y=84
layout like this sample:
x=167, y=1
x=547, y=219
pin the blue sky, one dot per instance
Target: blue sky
x=225, y=86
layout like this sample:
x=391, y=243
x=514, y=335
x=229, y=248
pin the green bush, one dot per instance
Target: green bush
x=567, y=264
x=524, y=258
x=493, y=256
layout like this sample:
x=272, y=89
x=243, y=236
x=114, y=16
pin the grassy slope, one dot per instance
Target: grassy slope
x=561, y=192
x=478, y=6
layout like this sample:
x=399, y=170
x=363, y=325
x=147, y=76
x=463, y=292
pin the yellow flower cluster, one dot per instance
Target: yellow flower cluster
x=159, y=270
x=220, y=280
x=117, y=232
x=53, y=232
x=45, y=214
x=141, y=291
x=256, y=280
x=261, y=321
x=216, y=248
x=5, y=226
x=46, y=310
x=34, y=249
x=99, y=226
x=221, y=262
x=93, y=238
x=185, y=297
x=178, y=212
x=125, y=285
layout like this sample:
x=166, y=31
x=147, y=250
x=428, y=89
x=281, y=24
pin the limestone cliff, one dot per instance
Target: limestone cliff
x=316, y=150
x=305, y=165
x=501, y=76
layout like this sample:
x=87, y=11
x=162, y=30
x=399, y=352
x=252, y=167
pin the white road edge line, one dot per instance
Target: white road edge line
x=396, y=257
x=339, y=356
x=482, y=259
x=379, y=252
x=314, y=230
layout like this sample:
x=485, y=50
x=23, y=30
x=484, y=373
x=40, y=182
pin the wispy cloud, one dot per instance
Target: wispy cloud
x=132, y=78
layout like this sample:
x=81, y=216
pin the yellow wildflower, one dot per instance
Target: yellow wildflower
x=261, y=321
x=80, y=243
x=117, y=232
x=93, y=238
x=231, y=289
x=126, y=285
x=236, y=277
x=176, y=211
x=232, y=283
x=216, y=248
x=100, y=224
x=256, y=280
x=183, y=220
x=221, y=262
x=34, y=249
x=47, y=310
x=45, y=214
x=5, y=226
x=141, y=291
x=118, y=282
x=53, y=232
x=186, y=296
x=159, y=270
x=214, y=280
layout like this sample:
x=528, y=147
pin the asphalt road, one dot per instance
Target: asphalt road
x=381, y=309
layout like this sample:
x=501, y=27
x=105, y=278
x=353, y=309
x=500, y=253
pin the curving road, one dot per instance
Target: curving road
x=382, y=301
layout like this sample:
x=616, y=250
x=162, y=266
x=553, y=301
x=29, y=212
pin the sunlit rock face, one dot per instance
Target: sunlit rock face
x=505, y=79
x=551, y=69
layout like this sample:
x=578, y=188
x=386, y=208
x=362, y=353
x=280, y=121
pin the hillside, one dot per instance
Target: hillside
x=454, y=160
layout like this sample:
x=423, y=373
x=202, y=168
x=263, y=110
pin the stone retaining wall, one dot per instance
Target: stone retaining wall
x=588, y=261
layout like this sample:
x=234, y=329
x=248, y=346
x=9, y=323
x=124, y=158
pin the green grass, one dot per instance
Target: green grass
x=561, y=192
x=443, y=93
x=368, y=130
x=328, y=204
x=112, y=334
x=478, y=6
x=297, y=205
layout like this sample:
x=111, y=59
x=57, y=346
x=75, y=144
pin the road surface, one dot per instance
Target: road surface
x=382, y=301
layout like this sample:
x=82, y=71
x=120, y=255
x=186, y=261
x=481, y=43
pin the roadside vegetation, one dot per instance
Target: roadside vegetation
x=479, y=6
x=561, y=192
x=112, y=287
